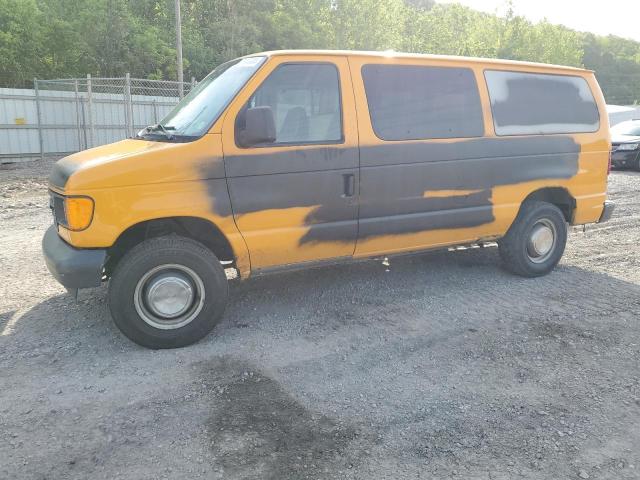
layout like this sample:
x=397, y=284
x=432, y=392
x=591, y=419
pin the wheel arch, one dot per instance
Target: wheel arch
x=196, y=228
x=558, y=196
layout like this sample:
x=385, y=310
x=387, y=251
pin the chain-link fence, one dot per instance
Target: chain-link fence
x=59, y=117
x=62, y=116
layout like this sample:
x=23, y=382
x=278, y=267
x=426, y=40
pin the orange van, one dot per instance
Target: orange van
x=294, y=159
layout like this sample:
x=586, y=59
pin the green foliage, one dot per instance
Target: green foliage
x=68, y=38
x=21, y=40
x=616, y=62
x=457, y=30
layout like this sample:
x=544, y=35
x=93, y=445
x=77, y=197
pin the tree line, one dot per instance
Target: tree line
x=70, y=38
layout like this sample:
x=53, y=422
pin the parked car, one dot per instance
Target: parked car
x=625, y=145
x=293, y=159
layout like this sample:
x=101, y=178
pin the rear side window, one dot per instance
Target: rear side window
x=537, y=104
x=410, y=102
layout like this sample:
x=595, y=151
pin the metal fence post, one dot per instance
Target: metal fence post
x=193, y=83
x=39, y=115
x=90, y=111
x=75, y=82
x=85, y=144
x=125, y=105
x=128, y=106
x=155, y=110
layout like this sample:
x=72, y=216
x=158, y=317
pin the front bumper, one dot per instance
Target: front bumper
x=607, y=211
x=72, y=267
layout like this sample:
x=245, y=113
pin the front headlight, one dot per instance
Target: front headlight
x=74, y=213
x=628, y=146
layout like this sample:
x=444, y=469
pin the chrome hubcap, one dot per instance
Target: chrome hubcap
x=169, y=296
x=541, y=241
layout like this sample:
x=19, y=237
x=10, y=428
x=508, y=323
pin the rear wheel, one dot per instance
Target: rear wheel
x=535, y=242
x=167, y=292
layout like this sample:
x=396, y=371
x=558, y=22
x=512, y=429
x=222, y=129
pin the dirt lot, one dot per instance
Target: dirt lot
x=439, y=366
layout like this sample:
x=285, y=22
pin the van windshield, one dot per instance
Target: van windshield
x=197, y=111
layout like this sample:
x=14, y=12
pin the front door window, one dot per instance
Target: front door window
x=305, y=101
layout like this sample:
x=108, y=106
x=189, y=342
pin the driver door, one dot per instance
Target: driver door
x=295, y=199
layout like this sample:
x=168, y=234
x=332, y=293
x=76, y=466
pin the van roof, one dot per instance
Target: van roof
x=394, y=54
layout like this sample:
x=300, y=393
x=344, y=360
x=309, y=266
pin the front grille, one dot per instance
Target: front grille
x=57, y=205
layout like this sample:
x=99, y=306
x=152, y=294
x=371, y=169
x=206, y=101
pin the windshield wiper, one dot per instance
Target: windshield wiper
x=159, y=128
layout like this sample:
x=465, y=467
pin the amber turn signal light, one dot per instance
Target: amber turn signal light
x=78, y=212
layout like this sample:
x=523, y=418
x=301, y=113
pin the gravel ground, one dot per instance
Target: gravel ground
x=437, y=366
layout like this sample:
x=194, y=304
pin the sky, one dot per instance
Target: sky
x=615, y=17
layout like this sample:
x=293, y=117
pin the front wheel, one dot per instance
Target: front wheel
x=535, y=242
x=167, y=292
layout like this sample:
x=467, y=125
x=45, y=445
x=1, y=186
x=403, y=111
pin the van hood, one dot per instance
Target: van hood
x=135, y=162
x=625, y=139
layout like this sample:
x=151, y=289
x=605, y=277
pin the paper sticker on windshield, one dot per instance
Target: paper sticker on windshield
x=250, y=61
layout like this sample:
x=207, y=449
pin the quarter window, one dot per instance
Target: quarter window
x=408, y=102
x=537, y=104
x=305, y=101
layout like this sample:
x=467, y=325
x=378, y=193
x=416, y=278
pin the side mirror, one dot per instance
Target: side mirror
x=260, y=127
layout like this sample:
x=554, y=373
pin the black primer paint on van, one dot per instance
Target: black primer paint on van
x=543, y=100
x=61, y=171
x=395, y=179
x=292, y=160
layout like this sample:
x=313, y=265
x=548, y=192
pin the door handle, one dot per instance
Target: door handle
x=349, y=180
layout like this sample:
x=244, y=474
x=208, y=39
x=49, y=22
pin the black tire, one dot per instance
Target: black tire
x=514, y=247
x=190, y=261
